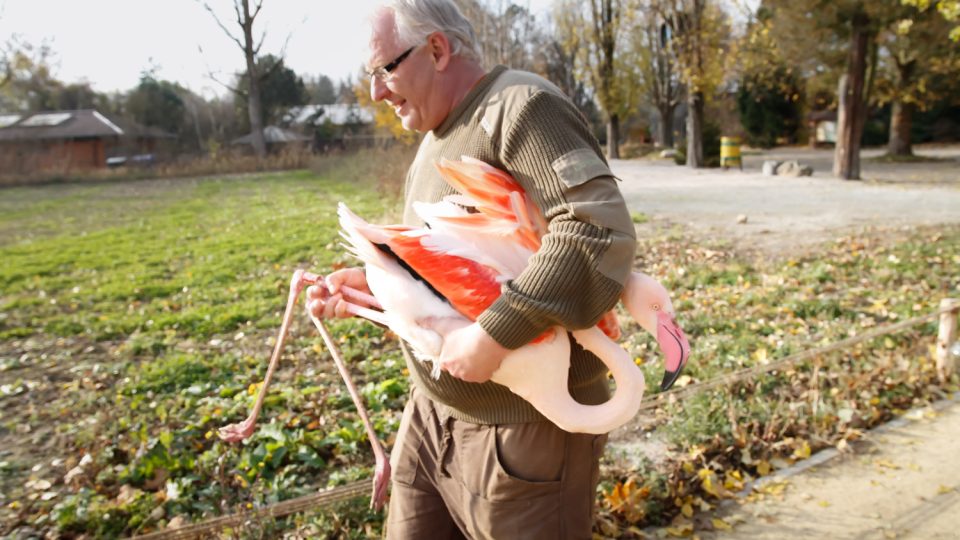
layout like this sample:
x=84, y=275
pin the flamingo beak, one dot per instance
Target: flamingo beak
x=676, y=349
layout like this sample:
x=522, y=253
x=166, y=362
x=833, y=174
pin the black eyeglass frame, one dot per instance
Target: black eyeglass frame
x=383, y=71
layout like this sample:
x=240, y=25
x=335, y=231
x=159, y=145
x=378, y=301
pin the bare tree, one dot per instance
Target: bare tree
x=506, y=32
x=245, y=19
x=698, y=32
x=598, y=35
x=660, y=74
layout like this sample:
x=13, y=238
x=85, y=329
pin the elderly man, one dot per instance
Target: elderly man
x=471, y=458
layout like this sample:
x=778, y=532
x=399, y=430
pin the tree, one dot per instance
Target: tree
x=346, y=92
x=598, y=34
x=769, y=108
x=769, y=97
x=918, y=55
x=698, y=34
x=78, y=96
x=949, y=9
x=157, y=103
x=245, y=19
x=506, y=32
x=321, y=91
x=280, y=88
x=28, y=83
x=660, y=74
x=840, y=33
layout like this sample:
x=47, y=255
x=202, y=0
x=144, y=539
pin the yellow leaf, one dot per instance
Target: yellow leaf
x=680, y=531
x=943, y=490
x=721, y=525
x=886, y=463
x=709, y=483
x=687, y=467
x=763, y=468
x=687, y=510
x=824, y=504
x=803, y=452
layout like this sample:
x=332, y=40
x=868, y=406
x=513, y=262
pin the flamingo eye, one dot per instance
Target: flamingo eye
x=656, y=307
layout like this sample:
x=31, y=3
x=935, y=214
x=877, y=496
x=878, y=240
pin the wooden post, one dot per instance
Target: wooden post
x=946, y=337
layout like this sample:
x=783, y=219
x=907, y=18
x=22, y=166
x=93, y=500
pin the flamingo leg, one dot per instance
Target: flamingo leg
x=381, y=477
x=243, y=430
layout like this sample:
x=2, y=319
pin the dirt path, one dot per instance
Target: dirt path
x=902, y=482
x=787, y=214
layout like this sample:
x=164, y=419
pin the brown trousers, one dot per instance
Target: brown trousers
x=455, y=479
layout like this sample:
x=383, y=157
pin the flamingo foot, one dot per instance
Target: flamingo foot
x=381, y=482
x=239, y=431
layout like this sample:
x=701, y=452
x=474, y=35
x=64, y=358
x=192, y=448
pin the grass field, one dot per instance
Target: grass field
x=136, y=318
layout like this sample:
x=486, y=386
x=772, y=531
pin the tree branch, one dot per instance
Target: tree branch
x=221, y=25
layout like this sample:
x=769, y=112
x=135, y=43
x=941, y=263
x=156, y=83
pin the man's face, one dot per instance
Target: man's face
x=409, y=86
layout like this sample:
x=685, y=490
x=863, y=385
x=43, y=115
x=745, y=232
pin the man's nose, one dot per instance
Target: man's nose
x=378, y=89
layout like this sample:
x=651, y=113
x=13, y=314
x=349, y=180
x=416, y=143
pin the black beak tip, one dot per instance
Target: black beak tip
x=669, y=377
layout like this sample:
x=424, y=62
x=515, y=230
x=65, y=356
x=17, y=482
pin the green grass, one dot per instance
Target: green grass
x=177, y=286
x=136, y=318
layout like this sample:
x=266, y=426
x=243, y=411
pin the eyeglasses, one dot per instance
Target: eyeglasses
x=383, y=72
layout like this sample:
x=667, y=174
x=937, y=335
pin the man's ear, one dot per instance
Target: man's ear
x=439, y=48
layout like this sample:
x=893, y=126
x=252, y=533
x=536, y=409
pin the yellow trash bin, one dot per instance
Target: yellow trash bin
x=730, y=152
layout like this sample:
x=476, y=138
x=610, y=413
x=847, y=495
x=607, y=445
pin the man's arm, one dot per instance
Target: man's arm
x=587, y=253
x=585, y=257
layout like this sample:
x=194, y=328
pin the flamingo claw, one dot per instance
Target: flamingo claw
x=237, y=432
x=381, y=481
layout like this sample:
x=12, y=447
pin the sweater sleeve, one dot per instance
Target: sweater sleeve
x=585, y=256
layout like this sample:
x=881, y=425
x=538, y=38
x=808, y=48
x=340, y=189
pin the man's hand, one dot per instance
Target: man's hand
x=327, y=302
x=468, y=353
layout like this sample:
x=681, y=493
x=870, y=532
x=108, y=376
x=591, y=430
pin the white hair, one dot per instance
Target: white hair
x=417, y=19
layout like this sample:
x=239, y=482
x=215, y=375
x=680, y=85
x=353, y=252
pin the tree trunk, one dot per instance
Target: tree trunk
x=901, y=120
x=666, y=125
x=613, y=137
x=254, y=104
x=695, y=130
x=901, y=115
x=851, y=114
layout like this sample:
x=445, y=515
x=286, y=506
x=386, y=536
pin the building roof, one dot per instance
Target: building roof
x=79, y=124
x=337, y=114
x=273, y=134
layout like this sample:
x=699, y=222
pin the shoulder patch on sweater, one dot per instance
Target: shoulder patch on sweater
x=579, y=166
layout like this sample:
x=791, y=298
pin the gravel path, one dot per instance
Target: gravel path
x=785, y=214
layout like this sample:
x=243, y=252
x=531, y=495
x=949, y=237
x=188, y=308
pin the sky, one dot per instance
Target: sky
x=110, y=43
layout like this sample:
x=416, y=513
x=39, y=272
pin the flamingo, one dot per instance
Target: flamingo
x=453, y=269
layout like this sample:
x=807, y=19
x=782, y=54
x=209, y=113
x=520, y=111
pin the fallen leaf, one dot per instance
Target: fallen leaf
x=886, y=463
x=721, y=525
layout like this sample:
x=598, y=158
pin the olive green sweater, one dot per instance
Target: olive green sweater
x=523, y=124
